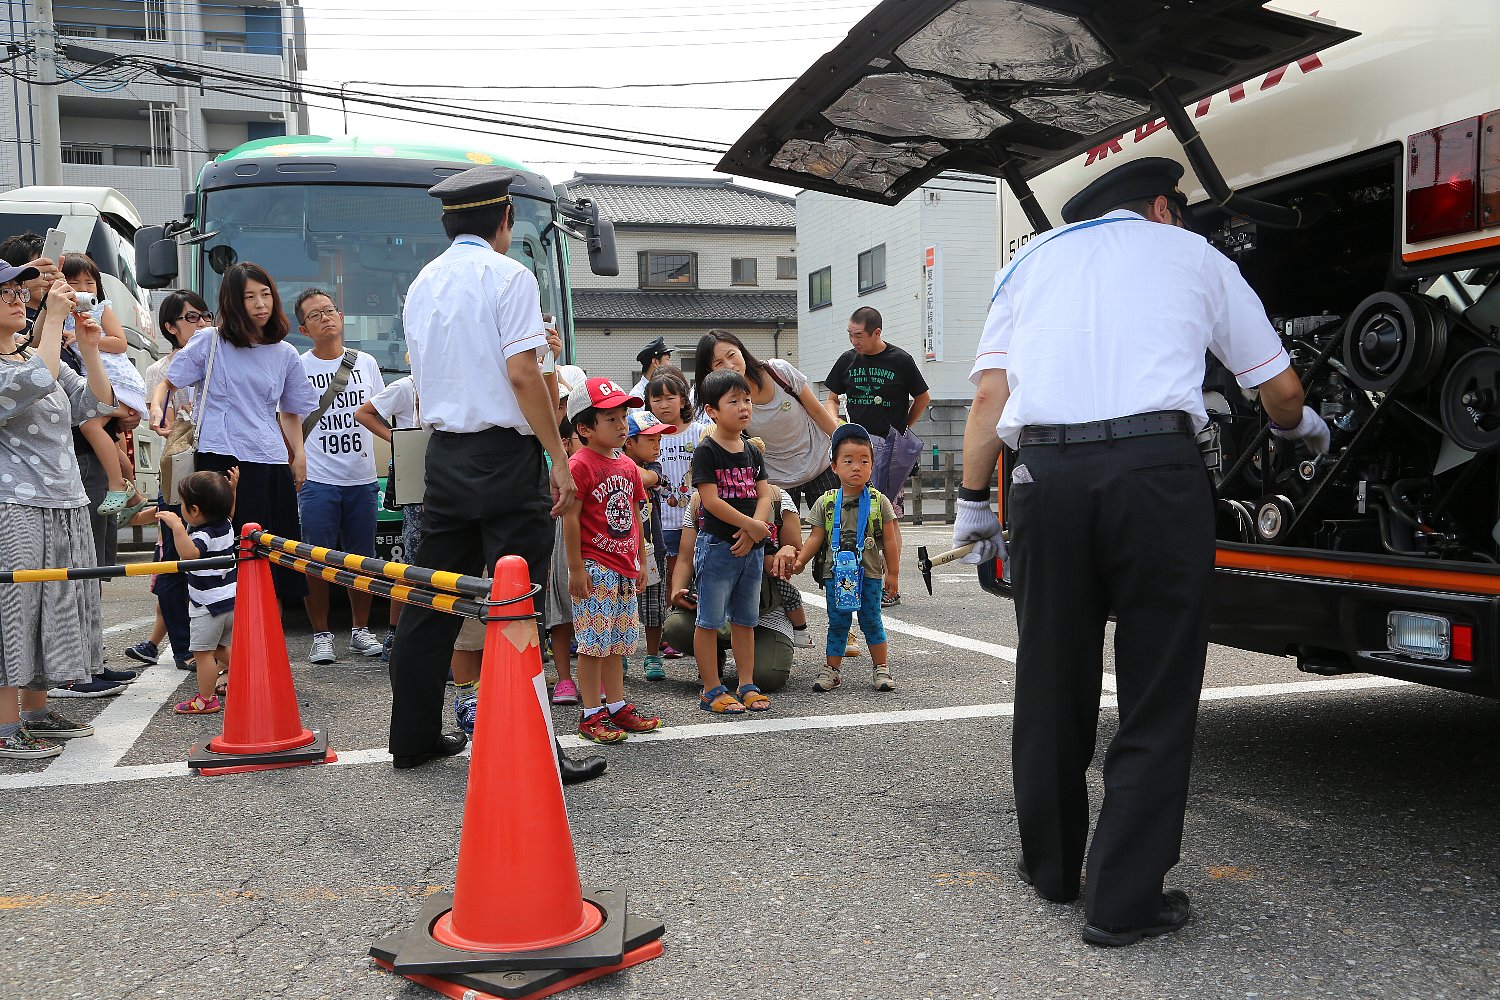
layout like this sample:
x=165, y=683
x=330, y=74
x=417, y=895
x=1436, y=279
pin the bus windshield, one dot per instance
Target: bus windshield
x=362, y=243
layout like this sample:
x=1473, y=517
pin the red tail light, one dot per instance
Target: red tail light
x=1441, y=189
x=1489, y=170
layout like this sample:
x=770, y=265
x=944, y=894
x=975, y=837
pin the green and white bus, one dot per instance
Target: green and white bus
x=353, y=216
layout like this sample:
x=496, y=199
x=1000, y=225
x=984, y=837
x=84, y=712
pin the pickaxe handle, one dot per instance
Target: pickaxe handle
x=925, y=563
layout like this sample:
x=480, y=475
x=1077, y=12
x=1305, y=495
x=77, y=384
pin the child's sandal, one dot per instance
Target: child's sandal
x=753, y=699
x=720, y=702
x=113, y=501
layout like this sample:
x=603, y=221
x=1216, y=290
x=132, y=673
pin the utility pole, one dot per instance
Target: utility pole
x=49, y=134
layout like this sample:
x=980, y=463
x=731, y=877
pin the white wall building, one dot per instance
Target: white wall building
x=695, y=254
x=145, y=135
x=854, y=253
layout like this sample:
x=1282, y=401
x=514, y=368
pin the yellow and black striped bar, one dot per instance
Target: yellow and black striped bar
x=469, y=586
x=106, y=572
x=380, y=586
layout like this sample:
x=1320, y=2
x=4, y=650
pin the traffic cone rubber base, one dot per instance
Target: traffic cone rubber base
x=206, y=761
x=421, y=952
x=642, y=943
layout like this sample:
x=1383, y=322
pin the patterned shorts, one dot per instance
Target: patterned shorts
x=607, y=623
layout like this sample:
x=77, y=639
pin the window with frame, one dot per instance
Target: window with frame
x=743, y=271
x=872, y=269
x=668, y=270
x=820, y=288
x=786, y=268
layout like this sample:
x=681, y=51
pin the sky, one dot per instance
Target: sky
x=578, y=62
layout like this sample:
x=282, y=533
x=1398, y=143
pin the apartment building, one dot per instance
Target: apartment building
x=138, y=132
x=695, y=254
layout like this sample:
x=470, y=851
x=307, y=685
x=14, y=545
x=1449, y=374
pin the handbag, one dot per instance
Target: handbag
x=179, y=456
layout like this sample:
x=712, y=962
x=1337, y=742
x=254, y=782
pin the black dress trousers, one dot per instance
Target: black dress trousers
x=1123, y=527
x=486, y=497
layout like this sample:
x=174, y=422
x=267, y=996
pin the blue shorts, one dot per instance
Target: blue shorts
x=728, y=585
x=671, y=540
x=339, y=517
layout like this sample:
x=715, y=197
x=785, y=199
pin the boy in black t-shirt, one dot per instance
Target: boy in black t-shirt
x=730, y=476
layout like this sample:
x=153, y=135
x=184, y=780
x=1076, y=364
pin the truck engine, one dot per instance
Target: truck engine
x=1406, y=373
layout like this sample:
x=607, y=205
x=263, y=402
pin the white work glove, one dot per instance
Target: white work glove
x=976, y=523
x=1312, y=430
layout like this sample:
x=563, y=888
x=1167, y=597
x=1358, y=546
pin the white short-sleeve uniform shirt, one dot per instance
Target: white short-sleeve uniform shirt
x=1111, y=318
x=466, y=315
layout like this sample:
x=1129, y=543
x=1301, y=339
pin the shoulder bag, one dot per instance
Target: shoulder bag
x=178, y=457
x=340, y=379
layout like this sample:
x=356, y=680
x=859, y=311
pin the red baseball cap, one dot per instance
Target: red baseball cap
x=601, y=394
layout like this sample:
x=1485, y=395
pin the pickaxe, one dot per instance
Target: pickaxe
x=925, y=564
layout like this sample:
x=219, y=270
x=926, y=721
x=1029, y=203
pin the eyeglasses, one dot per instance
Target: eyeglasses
x=10, y=296
x=319, y=315
x=195, y=317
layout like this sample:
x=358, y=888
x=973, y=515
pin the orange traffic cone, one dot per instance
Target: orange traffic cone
x=517, y=924
x=262, y=727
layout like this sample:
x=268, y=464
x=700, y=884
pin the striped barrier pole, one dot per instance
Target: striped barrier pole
x=107, y=572
x=469, y=586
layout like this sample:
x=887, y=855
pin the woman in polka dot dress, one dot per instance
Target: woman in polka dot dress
x=51, y=634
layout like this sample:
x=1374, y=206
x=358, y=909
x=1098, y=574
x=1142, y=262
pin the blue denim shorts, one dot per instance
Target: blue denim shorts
x=671, y=540
x=728, y=585
x=339, y=517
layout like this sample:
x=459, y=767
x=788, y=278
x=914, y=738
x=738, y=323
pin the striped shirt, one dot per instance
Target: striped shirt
x=211, y=591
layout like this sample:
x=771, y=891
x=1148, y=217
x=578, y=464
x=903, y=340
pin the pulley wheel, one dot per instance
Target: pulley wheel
x=1470, y=403
x=1395, y=341
x=1273, y=518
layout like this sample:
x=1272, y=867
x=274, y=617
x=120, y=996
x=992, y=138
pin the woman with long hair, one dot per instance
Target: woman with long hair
x=51, y=634
x=249, y=414
x=787, y=416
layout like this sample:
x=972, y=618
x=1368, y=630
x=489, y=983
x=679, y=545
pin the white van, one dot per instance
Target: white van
x=100, y=222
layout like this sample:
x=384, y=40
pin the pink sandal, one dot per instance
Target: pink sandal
x=198, y=706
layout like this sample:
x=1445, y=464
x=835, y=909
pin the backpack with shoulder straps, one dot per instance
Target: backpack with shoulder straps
x=820, y=563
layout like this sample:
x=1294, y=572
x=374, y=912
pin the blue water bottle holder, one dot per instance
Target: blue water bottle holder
x=848, y=574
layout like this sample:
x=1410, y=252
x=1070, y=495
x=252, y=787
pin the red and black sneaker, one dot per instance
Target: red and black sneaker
x=631, y=721
x=600, y=727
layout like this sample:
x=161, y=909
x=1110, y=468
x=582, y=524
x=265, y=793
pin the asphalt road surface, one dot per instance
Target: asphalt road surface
x=1341, y=838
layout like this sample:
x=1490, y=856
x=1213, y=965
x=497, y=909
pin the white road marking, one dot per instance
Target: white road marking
x=56, y=776
x=132, y=623
x=1006, y=653
x=120, y=724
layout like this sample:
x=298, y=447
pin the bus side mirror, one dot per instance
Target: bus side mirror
x=155, y=257
x=603, y=260
x=190, y=206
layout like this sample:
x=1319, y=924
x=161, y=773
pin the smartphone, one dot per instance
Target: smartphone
x=52, y=249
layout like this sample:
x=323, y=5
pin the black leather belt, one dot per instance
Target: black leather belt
x=1136, y=425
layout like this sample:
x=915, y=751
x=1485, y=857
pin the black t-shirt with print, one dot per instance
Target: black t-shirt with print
x=734, y=475
x=878, y=387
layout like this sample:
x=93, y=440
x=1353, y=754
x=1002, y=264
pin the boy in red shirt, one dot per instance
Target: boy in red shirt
x=605, y=572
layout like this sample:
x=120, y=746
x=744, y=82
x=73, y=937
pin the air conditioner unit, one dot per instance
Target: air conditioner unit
x=276, y=116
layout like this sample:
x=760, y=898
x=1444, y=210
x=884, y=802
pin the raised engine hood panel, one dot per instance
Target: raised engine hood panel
x=924, y=86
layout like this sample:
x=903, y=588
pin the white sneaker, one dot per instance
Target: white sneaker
x=363, y=643
x=802, y=637
x=322, y=648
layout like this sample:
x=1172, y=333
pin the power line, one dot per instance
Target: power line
x=736, y=29
x=579, y=86
x=745, y=9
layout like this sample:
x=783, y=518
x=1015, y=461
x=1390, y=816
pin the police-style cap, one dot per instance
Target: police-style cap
x=477, y=187
x=655, y=349
x=1143, y=178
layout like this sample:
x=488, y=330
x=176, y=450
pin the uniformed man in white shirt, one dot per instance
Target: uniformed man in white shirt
x=1092, y=364
x=473, y=323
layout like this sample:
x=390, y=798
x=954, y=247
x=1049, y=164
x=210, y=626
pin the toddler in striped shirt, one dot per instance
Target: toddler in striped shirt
x=207, y=504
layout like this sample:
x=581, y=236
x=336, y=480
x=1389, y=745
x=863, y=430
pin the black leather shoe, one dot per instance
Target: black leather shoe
x=577, y=771
x=1173, y=915
x=1026, y=877
x=449, y=745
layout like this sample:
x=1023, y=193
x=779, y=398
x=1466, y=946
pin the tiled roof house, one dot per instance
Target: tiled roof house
x=695, y=253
